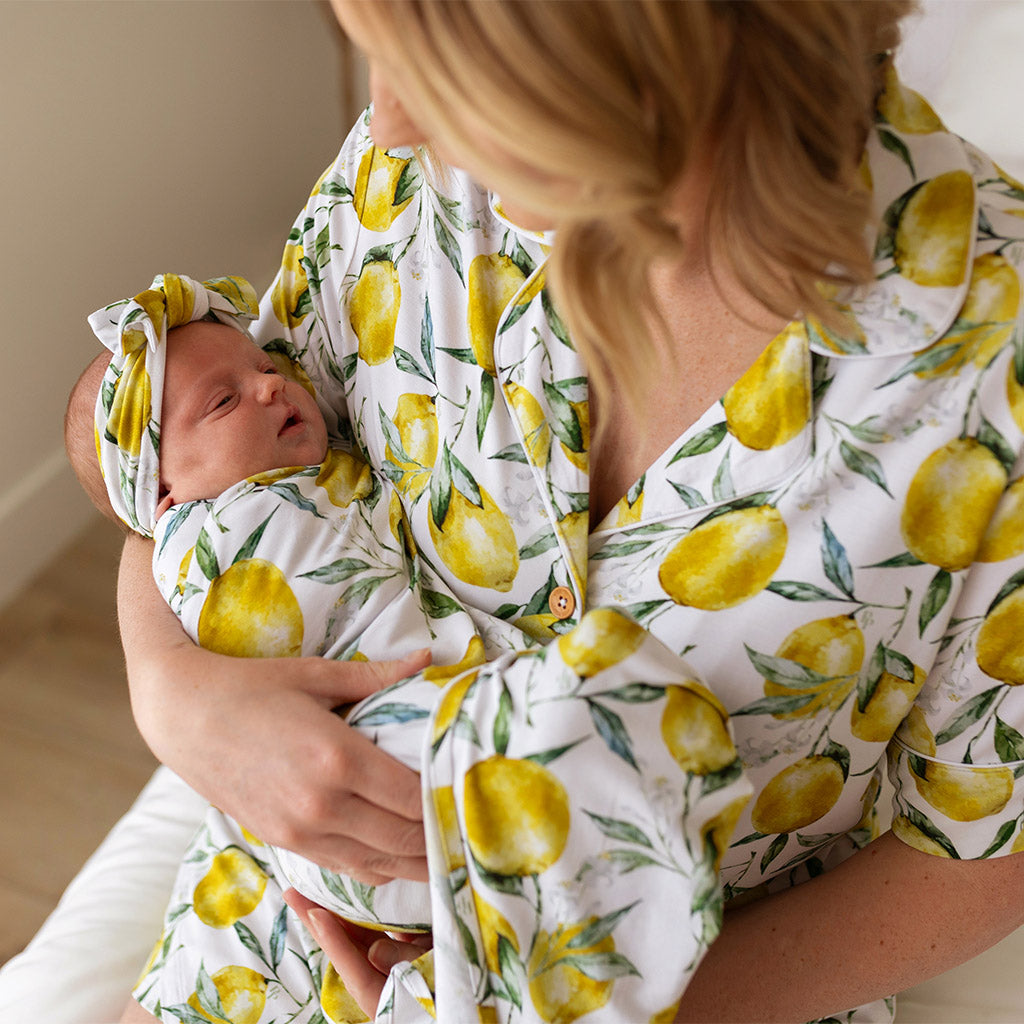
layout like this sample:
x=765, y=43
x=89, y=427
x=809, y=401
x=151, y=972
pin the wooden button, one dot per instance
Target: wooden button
x=561, y=602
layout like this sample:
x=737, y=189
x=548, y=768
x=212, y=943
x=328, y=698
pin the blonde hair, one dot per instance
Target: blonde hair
x=613, y=99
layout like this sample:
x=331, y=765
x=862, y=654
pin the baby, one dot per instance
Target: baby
x=268, y=542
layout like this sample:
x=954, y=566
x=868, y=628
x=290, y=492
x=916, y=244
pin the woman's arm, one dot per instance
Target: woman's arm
x=888, y=918
x=256, y=738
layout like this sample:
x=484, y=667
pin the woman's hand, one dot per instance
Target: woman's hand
x=361, y=956
x=257, y=738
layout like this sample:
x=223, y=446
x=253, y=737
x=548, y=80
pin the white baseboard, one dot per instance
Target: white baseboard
x=41, y=513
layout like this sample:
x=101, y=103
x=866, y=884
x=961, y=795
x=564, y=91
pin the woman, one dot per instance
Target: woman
x=835, y=545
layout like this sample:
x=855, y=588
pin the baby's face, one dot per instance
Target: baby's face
x=228, y=414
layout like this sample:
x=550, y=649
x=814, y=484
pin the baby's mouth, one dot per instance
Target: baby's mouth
x=292, y=421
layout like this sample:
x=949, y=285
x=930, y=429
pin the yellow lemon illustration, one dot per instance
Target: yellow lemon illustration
x=536, y=432
x=726, y=560
x=183, y=568
x=693, y=727
x=720, y=828
x=290, y=288
x=916, y=734
x=771, y=403
x=560, y=992
x=415, y=420
x=398, y=521
x=231, y=888
x=373, y=310
x=451, y=701
x=666, y=1016
x=251, y=612
x=448, y=823
x=887, y=707
x=992, y=303
x=477, y=542
x=242, y=992
x=517, y=815
x=336, y=1001
x=538, y=626
x=905, y=109
x=494, y=280
x=603, y=638
x=291, y=370
x=1004, y=537
x=376, y=184
x=493, y=924
x=473, y=656
x=581, y=458
x=832, y=647
x=965, y=792
x=950, y=501
x=132, y=405
x=799, y=795
x=933, y=236
x=904, y=829
x=1015, y=395
x=345, y=478
x=999, y=651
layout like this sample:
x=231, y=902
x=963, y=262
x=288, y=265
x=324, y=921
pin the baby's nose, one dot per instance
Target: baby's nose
x=269, y=386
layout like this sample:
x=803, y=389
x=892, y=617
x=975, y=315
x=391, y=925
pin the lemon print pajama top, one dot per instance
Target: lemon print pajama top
x=833, y=554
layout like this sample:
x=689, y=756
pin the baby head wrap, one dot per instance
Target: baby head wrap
x=131, y=395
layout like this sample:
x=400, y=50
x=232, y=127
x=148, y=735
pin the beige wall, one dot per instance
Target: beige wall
x=137, y=137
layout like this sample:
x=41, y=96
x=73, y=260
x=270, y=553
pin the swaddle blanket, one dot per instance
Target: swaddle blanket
x=316, y=561
x=131, y=396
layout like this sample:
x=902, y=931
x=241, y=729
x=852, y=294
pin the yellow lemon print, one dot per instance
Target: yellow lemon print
x=561, y=992
x=1004, y=537
x=398, y=521
x=291, y=370
x=832, y=647
x=991, y=306
x=493, y=924
x=494, y=280
x=666, y=1016
x=905, y=109
x=517, y=815
x=474, y=655
x=720, y=828
x=179, y=300
x=132, y=406
x=242, y=992
x=232, y=888
x=725, y=560
x=251, y=612
x=998, y=651
x=415, y=420
x=628, y=513
x=603, y=638
x=904, y=829
x=799, y=795
x=448, y=823
x=337, y=1002
x=451, y=701
x=291, y=288
x=183, y=568
x=345, y=478
x=536, y=432
x=1015, y=396
x=890, y=703
x=933, y=236
x=477, y=542
x=376, y=184
x=916, y=734
x=373, y=310
x=965, y=792
x=580, y=459
x=538, y=626
x=950, y=501
x=693, y=728
x=771, y=403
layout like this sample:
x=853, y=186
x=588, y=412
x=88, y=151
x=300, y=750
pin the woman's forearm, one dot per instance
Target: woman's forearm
x=888, y=918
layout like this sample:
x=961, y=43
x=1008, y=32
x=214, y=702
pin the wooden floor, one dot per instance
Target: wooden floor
x=71, y=760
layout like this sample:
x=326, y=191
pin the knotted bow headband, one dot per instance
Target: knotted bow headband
x=131, y=394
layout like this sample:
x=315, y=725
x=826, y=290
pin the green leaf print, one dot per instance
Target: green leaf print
x=839, y=754
x=502, y=729
x=612, y=730
x=925, y=824
x=784, y=671
x=701, y=443
x=997, y=444
x=439, y=606
x=600, y=929
x=464, y=355
x=468, y=942
x=408, y=183
x=722, y=487
x=859, y=461
x=691, y=497
x=208, y=996
x=441, y=488
x=616, y=828
x=1002, y=837
x=777, y=845
x=900, y=561
x=794, y=590
x=892, y=142
x=1013, y=583
x=463, y=480
x=551, y=754
x=449, y=246
x=1009, y=742
x=336, y=572
x=393, y=713
x=975, y=709
x=206, y=557
x=248, y=549
x=631, y=860
x=565, y=423
x=427, y=338
x=292, y=494
x=723, y=777
x=934, y=599
x=539, y=542
x=777, y=705
x=483, y=410
x=184, y=1014
x=407, y=364
x=869, y=430
x=279, y=938
x=555, y=321
x=835, y=561
x=635, y=693
x=248, y=939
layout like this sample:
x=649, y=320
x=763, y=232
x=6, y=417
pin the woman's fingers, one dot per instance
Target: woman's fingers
x=336, y=683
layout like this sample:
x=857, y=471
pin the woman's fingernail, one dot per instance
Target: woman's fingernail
x=318, y=920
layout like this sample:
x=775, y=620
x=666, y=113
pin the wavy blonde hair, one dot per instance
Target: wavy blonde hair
x=610, y=100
